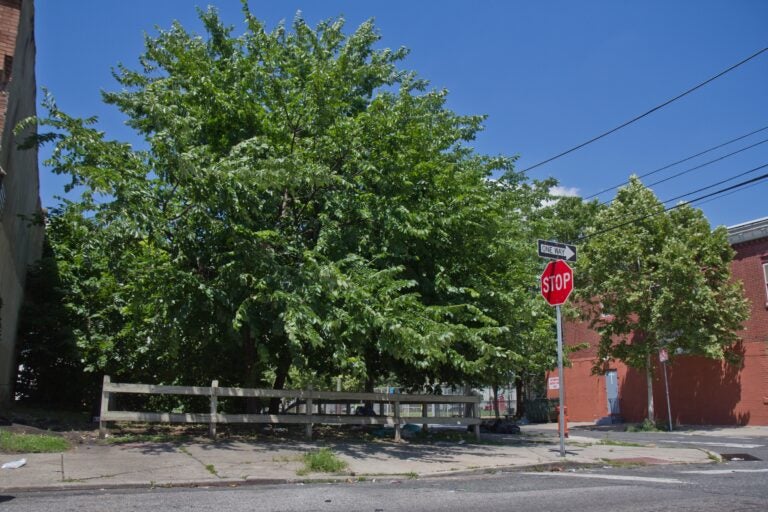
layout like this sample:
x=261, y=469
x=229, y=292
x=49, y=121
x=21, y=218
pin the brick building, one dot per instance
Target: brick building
x=702, y=391
x=20, y=241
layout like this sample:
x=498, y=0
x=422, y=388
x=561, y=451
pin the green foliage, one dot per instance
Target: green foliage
x=303, y=209
x=646, y=426
x=662, y=280
x=51, y=372
x=321, y=461
x=30, y=443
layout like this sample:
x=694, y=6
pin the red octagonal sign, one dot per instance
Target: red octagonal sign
x=556, y=282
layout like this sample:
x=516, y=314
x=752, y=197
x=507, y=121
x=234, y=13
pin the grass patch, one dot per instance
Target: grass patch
x=321, y=461
x=31, y=443
x=645, y=426
x=211, y=469
x=612, y=442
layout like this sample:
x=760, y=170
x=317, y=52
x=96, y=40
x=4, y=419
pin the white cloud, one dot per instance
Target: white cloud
x=564, y=191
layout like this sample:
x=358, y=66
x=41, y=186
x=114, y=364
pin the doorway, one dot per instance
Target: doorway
x=612, y=392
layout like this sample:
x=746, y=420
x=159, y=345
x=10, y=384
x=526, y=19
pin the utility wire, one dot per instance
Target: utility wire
x=698, y=166
x=729, y=193
x=716, y=184
x=664, y=210
x=639, y=212
x=654, y=109
x=680, y=161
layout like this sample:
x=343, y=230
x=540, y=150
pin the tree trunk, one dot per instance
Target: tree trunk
x=496, y=401
x=281, y=375
x=649, y=379
x=519, y=397
x=252, y=404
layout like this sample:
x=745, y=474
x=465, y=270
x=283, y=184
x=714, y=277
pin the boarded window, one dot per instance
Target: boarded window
x=5, y=73
x=765, y=280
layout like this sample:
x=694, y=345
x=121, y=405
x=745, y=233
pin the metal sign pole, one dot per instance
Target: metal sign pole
x=561, y=390
x=666, y=387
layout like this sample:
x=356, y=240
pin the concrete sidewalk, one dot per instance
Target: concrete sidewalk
x=206, y=463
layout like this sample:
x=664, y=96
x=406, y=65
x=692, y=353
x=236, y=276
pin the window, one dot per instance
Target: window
x=5, y=73
x=765, y=280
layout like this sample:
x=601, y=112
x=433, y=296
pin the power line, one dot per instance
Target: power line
x=729, y=193
x=680, y=161
x=654, y=109
x=716, y=184
x=664, y=210
x=698, y=166
x=707, y=163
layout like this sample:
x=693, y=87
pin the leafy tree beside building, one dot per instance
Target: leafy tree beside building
x=653, y=278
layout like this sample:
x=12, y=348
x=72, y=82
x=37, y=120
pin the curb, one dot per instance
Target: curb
x=331, y=479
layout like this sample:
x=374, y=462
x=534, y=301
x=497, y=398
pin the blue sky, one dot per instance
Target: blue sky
x=549, y=74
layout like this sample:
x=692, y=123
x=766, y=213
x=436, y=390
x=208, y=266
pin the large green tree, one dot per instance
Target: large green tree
x=654, y=278
x=301, y=205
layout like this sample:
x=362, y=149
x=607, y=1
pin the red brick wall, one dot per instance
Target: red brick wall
x=702, y=391
x=9, y=24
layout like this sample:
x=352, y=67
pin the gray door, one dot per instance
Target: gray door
x=612, y=391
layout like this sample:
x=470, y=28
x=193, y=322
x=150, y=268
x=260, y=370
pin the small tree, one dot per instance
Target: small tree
x=661, y=278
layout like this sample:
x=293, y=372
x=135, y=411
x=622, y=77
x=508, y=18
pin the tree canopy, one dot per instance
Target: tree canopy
x=657, y=278
x=300, y=204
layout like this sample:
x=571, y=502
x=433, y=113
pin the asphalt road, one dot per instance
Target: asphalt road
x=723, y=487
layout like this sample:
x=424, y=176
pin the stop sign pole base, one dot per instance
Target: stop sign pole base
x=561, y=388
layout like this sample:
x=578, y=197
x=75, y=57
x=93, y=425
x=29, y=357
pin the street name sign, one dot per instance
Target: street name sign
x=556, y=250
x=556, y=282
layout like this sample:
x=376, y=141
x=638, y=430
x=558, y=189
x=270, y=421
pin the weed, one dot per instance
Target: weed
x=645, y=426
x=211, y=469
x=618, y=463
x=321, y=461
x=613, y=442
x=31, y=443
x=411, y=475
x=714, y=457
x=147, y=438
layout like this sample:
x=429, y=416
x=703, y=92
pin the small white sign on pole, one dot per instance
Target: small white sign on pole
x=663, y=355
x=553, y=383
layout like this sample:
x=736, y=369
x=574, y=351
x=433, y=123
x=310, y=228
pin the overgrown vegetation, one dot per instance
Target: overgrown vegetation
x=305, y=209
x=11, y=442
x=646, y=426
x=321, y=461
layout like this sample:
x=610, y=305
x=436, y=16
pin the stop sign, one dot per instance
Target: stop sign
x=556, y=282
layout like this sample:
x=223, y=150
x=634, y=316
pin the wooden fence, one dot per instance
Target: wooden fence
x=315, y=405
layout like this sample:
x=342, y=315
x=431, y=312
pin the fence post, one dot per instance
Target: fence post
x=309, y=413
x=476, y=415
x=214, y=409
x=104, y=408
x=397, y=417
x=424, y=413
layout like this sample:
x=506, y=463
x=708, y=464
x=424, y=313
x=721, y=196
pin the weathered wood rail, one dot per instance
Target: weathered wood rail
x=313, y=412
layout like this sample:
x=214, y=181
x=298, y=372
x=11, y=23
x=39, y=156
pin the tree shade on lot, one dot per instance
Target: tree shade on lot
x=303, y=209
x=660, y=279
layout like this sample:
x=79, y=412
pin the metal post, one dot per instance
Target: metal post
x=666, y=387
x=561, y=390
